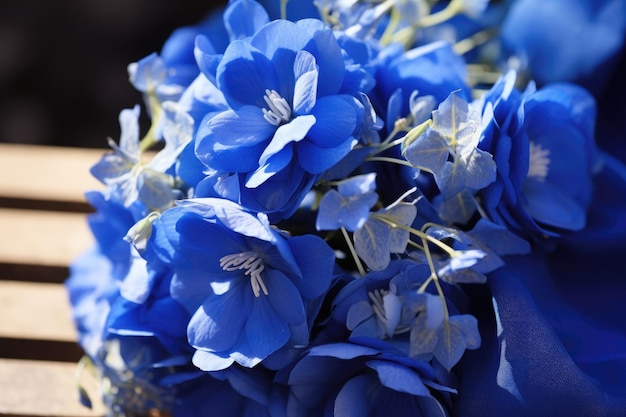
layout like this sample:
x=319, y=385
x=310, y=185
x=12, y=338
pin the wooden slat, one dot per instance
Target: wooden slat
x=47, y=173
x=35, y=311
x=42, y=230
x=39, y=388
x=42, y=238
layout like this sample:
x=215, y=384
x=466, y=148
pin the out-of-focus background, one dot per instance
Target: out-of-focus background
x=63, y=78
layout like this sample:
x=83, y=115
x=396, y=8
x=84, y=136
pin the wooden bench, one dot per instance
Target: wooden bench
x=42, y=229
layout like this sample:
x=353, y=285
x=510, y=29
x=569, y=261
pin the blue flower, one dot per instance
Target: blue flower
x=543, y=146
x=364, y=377
x=132, y=180
x=393, y=305
x=348, y=206
x=247, y=287
x=433, y=69
x=288, y=115
x=566, y=41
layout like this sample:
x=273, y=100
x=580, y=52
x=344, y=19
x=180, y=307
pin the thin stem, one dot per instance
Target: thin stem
x=150, y=139
x=465, y=45
x=388, y=145
x=433, y=276
x=390, y=160
x=357, y=261
x=391, y=221
x=394, y=22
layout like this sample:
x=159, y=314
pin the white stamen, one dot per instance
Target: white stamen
x=539, y=162
x=279, y=111
x=376, y=296
x=252, y=263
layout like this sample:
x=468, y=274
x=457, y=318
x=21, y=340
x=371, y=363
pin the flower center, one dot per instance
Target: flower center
x=252, y=263
x=539, y=162
x=278, y=110
x=376, y=297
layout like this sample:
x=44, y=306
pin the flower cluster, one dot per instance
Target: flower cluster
x=361, y=208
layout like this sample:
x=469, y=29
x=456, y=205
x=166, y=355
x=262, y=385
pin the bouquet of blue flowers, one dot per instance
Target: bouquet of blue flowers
x=366, y=208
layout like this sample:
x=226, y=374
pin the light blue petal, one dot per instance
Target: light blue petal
x=428, y=152
x=220, y=157
x=335, y=211
x=294, y=131
x=272, y=166
x=242, y=18
x=359, y=184
x=371, y=243
x=110, y=167
x=156, y=189
x=208, y=361
x=451, y=343
x=305, y=90
x=178, y=128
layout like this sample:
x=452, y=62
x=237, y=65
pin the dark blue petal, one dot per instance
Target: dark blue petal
x=265, y=331
x=217, y=324
x=337, y=118
x=399, y=378
x=284, y=297
x=316, y=261
x=244, y=74
x=315, y=159
x=352, y=398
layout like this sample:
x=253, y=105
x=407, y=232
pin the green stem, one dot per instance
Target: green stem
x=390, y=160
x=357, y=261
x=391, y=221
x=283, y=9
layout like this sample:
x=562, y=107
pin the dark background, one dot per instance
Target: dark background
x=63, y=78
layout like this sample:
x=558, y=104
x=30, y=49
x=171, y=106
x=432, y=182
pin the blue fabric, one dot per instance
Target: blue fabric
x=556, y=345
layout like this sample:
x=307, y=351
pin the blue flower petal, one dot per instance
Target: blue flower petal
x=316, y=261
x=550, y=206
x=209, y=361
x=337, y=118
x=265, y=331
x=244, y=74
x=352, y=398
x=294, y=131
x=305, y=90
x=316, y=160
x=399, y=378
x=244, y=127
x=343, y=350
x=271, y=167
x=242, y=18
x=216, y=325
x=223, y=158
x=284, y=297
